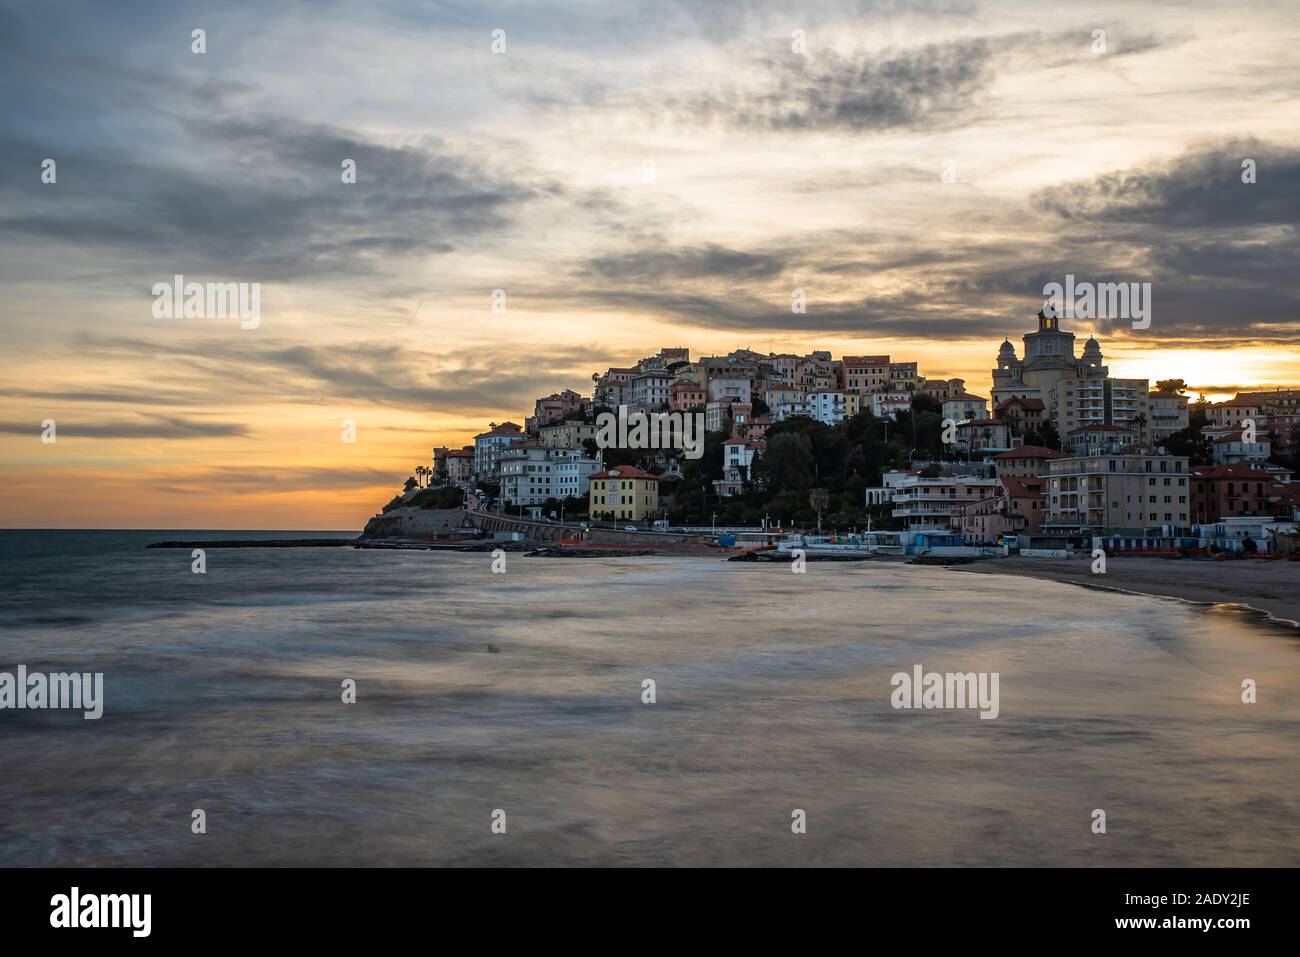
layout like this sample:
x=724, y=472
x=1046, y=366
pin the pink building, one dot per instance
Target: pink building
x=686, y=394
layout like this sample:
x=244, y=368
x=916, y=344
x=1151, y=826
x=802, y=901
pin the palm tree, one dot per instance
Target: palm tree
x=1141, y=420
x=818, y=499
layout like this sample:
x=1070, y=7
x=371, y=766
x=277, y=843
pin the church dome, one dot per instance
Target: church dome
x=1092, y=347
x=1007, y=349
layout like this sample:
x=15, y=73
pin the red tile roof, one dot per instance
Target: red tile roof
x=626, y=472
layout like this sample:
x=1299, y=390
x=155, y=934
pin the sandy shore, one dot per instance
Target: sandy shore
x=1272, y=587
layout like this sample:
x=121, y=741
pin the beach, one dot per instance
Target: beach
x=524, y=691
x=1272, y=587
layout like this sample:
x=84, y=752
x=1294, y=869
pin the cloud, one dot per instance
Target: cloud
x=146, y=427
x=1200, y=188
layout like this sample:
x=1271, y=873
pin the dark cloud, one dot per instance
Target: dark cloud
x=378, y=373
x=687, y=262
x=145, y=427
x=268, y=204
x=853, y=92
x=1201, y=188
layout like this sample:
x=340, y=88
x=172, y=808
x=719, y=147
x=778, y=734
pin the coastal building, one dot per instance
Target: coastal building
x=983, y=435
x=737, y=462
x=1235, y=412
x=903, y=377
x=611, y=388
x=648, y=390
x=1079, y=403
x=775, y=396
x=1227, y=491
x=1275, y=402
x=887, y=405
x=1168, y=412
x=686, y=394
x=1017, y=509
x=1282, y=428
x=935, y=504
x=553, y=408
x=963, y=405
x=490, y=444
x=460, y=464
x=864, y=375
x=787, y=410
x=1233, y=447
x=716, y=415
x=530, y=474
x=826, y=405
x=567, y=435
x=730, y=389
x=883, y=494
x=1027, y=461
x=622, y=494
x=942, y=389
x=1128, y=491
x=1022, y=415
x=1099, y=437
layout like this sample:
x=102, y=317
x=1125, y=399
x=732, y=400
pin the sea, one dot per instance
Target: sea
x=654, y=711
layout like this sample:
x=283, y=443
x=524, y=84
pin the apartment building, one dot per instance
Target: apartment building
x=685, y=394
x=826, y=405
x=1117, y=492
x=1234, y=412
x=530, y=474
x=460, y=464
x=935, y=504
x=1017, y=508
x=1078, y=403
x=490, y=444
x=552, y=408
x=611, y=388
x=864, y=375
x=1022, y=414
x=942, y=389
x=624, y=493
x=567, y=435
x=1233, y=447
x=963, y=405
x=1028, y=461
x=886, y=405
x=648, y=390
x=1168, y=414
x=903, y=377
x=1227, y=491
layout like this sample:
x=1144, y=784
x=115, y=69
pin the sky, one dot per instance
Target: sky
x=631, y=175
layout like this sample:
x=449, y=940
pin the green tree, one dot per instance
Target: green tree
x=1171, y=385
x=788, y=462
x=818, y=499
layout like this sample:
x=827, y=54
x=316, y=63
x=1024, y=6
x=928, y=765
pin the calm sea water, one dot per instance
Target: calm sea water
x=223, y=693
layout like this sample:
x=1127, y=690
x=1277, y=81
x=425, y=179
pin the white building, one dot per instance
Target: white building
x=886, y=405
x=530, y=474
x=785, y=410
x=648, y=390
x=964, y=406
x=1232, y=448
x=935, y=504
x=826, y=405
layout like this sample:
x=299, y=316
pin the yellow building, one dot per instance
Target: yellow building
x=622, y=494
x=567, y=435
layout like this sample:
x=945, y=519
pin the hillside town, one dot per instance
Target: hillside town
x=1056, y=453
